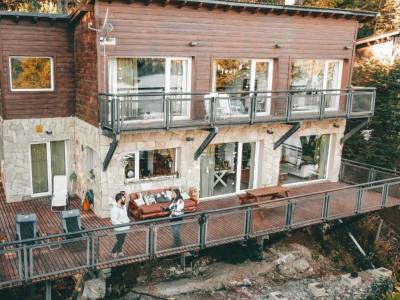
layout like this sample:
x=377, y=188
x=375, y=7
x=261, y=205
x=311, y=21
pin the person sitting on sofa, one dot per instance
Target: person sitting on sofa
x=176, y=209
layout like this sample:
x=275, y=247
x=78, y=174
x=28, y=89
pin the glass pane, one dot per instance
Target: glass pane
x=139, y=75
x=304, y=158
x=40, y=182
x=130, y=168
x=224, y=162
x=261, y=84
x=307, y=74
x=232, y=75
x=157, y=163
x=179, y=84
x=247, y=172
x=58, y=158
x=31, y=73
x=332, y=82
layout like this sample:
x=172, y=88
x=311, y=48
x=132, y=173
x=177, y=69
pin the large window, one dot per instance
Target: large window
x=242, y=75
x=228, y=168
x=151, y=75
x=304, y=158
x=311, y=74
x=147, y=164
x=31, y=73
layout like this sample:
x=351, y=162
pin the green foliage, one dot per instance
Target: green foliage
x=43, y=6
x=393, y=297
x=384, y=146
x=379, y=289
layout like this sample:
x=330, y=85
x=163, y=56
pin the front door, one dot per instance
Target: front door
x=47, y=161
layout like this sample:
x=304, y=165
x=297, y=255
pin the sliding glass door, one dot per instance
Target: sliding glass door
x=308, y=75
x=154, y=76
x=227, y=168
x=47, y=160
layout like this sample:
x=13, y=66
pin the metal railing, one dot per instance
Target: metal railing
x=155, y=110
x=63, y=254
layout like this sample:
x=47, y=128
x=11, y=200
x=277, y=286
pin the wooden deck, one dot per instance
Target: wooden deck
x=66, y=257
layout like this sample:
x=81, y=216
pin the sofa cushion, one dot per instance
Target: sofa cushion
x=153, y=208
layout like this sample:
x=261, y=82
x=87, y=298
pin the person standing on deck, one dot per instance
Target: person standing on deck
x=119, y=215
x=176, y=209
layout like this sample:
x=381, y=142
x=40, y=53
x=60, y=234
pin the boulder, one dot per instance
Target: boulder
x=94, y=289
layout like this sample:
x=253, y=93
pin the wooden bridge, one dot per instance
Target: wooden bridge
x=361, y=189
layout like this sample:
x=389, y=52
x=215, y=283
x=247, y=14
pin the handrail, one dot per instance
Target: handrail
x=371, y=166
x=121, y=112
x=206, y=212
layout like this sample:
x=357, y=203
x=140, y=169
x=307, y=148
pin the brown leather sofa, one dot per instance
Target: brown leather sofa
x=155, y=210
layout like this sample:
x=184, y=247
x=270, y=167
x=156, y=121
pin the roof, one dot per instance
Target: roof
x=253, y=6
x=378, y=37
x=34, y=16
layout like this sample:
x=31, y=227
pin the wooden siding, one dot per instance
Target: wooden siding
x=86, y=71
x=154, y=30
x=40, y=39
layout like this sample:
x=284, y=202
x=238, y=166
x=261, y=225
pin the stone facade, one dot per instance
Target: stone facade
x=87, y=147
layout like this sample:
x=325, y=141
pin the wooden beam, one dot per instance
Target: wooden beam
x=227, y=7
x=147, y=2
x=198, y=5
x=182, y=4
x=166, y=2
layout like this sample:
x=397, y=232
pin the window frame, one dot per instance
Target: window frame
x=51, y=89
x=136, y=155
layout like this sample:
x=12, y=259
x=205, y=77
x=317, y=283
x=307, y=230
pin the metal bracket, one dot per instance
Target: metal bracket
x=296, y=126
x=206, y=142
x=353, y=131
x=111, y=150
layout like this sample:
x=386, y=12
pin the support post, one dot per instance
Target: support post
x=203, y=230
x=325, y=213
x=353, y=131
x=289, y=213
x=48, y=290
x=287, y=135
x=111, y=150
x=206, y=142
x=249, y=222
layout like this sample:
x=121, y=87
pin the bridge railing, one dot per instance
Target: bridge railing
x=41, y=258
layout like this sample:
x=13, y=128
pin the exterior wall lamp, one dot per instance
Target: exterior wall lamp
x=193, y=44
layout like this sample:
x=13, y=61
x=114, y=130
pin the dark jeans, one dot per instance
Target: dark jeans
x=120, y=242
x=176, y=232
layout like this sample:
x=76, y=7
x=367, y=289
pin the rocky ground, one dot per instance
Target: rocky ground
x=286, y=267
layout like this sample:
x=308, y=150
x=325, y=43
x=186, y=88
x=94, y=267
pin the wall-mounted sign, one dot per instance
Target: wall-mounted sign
x=39, y=128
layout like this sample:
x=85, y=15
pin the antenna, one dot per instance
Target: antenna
x=104, y=31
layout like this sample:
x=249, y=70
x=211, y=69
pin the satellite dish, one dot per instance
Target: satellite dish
x=104, y=31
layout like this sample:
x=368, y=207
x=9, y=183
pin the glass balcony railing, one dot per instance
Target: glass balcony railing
x=141, y=111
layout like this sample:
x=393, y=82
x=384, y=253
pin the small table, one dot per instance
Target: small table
x=273, y=192
x=218, y=177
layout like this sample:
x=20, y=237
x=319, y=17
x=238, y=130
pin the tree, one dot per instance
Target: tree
x=384, y=146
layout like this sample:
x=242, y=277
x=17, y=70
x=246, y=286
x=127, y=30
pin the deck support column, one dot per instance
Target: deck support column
x=186, y=260
x=48, y=290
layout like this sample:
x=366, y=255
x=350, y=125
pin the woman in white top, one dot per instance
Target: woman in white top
x=119, y=216
x=176, y=209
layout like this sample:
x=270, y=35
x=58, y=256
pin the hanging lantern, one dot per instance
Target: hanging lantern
x=366, y=134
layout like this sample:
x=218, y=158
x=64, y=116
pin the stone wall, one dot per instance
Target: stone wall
x=81, y=136
x=18, y=134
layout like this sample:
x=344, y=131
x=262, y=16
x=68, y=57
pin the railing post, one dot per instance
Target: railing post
x=249, y=222
x=113, y=120
x=385, y=191
x=252, y=108
x=212, y=111
x=152, y=242
x=26, y=275
x=167, y=110
x=371, y=175
x=203, y=230
x=325, y=212
x=349, y=106
x=289, y=106
x=322, y=103
x=289, y=214
x=118, y=111
x=360, y=193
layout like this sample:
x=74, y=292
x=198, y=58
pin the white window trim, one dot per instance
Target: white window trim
x=328, y=166
x=254, y=185
x=49, y=174
x=167, y=82
x=32, y=90
x=137, y=178
x=253, y=63
x=335, y=107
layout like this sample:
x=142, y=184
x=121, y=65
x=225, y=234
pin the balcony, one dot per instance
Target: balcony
x=362, y=188
x=161, y=111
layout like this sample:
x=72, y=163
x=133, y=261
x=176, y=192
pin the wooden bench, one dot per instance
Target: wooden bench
x=255, y=195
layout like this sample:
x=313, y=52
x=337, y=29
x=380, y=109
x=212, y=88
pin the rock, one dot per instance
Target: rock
x=94, y=289
x=301, y=265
